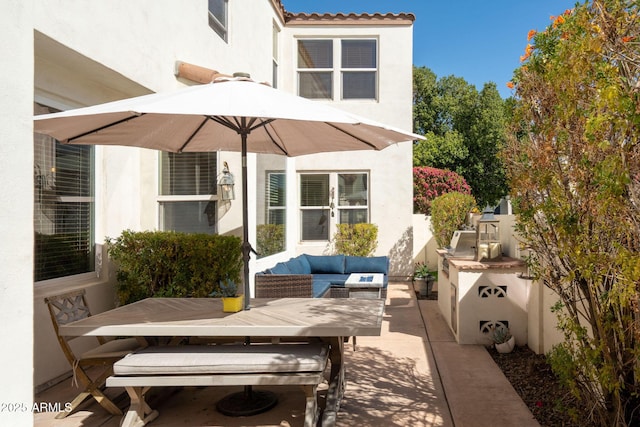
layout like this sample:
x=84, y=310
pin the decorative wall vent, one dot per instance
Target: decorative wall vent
x=492, y=290
x=487, y=325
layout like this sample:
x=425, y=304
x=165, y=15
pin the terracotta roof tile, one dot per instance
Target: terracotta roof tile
x=360, y=18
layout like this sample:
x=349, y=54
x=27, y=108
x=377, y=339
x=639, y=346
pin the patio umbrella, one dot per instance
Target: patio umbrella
x=210, y=117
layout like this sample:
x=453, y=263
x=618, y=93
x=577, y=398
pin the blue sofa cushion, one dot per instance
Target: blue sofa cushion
x=299, y=265
x=334, y=279
x=357, y=264
x=320, y=287
x=280, y=268
x=326, y=263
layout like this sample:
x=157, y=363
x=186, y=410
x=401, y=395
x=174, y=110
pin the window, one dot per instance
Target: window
x=353, y=198
x=63, y=207
x=357, y=69
x=274, y=76
x=218, y=17
x=317, y=203
x=188, y=189
x=271, y=205
x=315, y=68
x=314, y=205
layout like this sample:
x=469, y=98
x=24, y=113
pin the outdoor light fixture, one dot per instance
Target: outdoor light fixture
x=226, y=183
x=488, y=245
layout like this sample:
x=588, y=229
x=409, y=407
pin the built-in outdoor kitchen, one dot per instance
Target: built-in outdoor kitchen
x=482, y=282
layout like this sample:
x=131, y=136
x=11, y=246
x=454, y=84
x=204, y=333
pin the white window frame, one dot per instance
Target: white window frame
x=221, y=28
x=166, y=198
x=332, y=206
x=337, y=71
x=45, y=170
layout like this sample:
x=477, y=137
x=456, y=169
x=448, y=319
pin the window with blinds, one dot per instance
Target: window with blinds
x=315, y=68
x=318, y=202
x=357, y=68
x=63, y=207
x=314, y=206
x=188, y=192
x=271, y=232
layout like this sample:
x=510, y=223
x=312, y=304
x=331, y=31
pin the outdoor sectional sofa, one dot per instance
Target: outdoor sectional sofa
x=317, y=276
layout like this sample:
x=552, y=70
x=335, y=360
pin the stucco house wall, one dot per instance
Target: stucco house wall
x=391, y=180
x=16, y=215
x=97, y=52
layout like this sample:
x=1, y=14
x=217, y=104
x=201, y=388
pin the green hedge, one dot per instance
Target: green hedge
x=170, y=264
x=448, y=214
x=356, y=239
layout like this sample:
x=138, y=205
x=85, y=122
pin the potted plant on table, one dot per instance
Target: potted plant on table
x=228, y=292
x=503, y=341
x=422, y=279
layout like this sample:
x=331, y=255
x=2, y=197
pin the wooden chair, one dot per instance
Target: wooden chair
x=73, y=306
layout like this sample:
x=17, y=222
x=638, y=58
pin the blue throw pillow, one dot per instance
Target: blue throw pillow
x=359, y=264
x=326, y=263
x=298, y=266
x=280, y=268
x=306, y=267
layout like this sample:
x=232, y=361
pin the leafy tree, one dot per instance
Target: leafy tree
x=573, y=161
x=465, y=129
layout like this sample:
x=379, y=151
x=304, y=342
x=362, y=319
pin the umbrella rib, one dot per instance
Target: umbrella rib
x=276, y=143
x=353, y=136
x=126, y=119
x=193, y=134
x=225, y=122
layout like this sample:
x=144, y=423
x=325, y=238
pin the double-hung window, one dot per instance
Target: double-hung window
x=315, y=68
x=321, y=207
x=188, y=192
x=271, y=204
x=359, y=69
x=350, y=65
x=218, y=17
x=63, y=207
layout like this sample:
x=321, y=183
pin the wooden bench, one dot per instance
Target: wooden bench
x=219, y=365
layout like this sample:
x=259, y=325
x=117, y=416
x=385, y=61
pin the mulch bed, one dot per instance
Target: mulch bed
x=551, y=404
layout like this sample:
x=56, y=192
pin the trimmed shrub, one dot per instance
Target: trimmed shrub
x=429, y=183
x=270, y=239
x=170, y=264
x=356, y=239
x=448, y=214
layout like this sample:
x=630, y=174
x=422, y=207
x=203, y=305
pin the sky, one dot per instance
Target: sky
x=480, y=41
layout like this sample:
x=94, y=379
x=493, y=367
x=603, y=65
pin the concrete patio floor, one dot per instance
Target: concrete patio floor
x=414, y=374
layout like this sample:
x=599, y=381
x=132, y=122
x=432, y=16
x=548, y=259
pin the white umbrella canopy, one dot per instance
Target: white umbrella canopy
x=191, y=120
x=210, y=117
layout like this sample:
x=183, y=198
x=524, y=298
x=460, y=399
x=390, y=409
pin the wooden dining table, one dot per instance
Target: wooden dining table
x=328, y=319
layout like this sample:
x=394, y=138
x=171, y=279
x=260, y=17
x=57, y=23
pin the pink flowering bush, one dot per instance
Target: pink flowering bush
x=429, y=183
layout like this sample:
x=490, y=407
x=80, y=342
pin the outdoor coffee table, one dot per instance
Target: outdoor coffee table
x=329, y=319
x=365, y=285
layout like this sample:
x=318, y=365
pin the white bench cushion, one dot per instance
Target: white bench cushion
x=224, y=359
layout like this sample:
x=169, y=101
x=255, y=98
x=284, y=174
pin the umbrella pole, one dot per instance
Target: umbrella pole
x=250, y=401
x=246, y=246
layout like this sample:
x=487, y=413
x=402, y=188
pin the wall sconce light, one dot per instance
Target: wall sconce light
x=226, y=183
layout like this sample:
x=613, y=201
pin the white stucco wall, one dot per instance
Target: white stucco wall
x=16, y=215
x=101, y=51
x=391, y=180
x=96, y=52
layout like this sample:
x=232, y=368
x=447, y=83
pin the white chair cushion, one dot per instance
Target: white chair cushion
x=224, y=359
